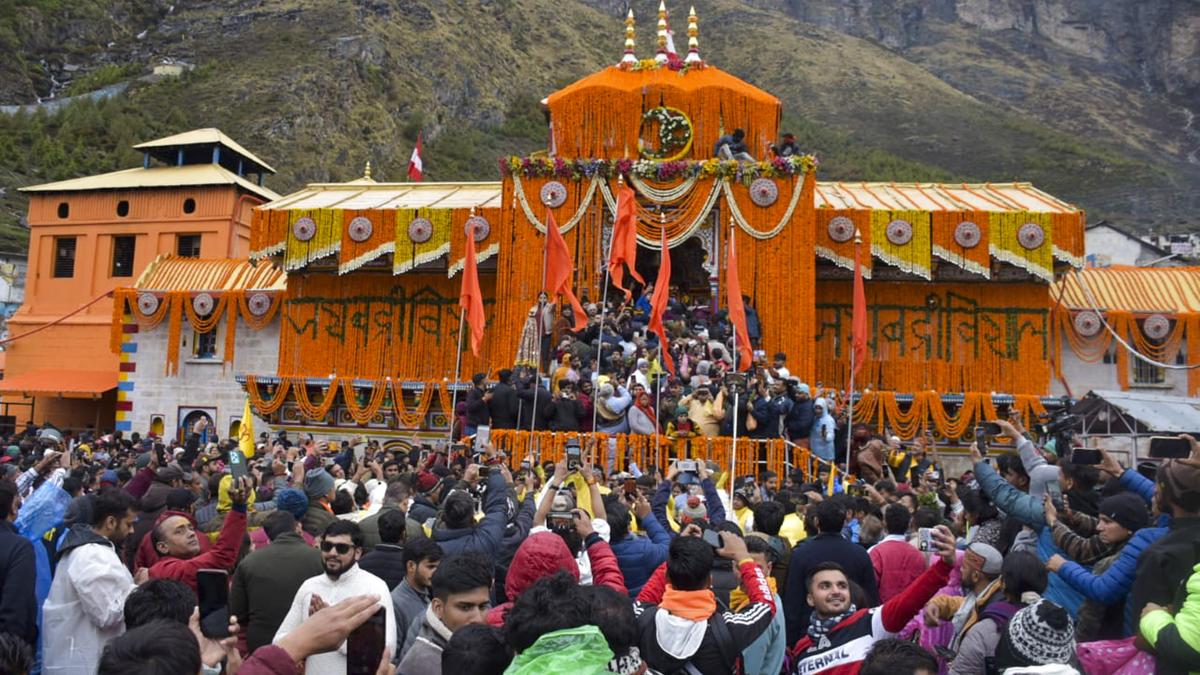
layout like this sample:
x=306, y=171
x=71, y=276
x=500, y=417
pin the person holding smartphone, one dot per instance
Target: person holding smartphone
x=175, y=539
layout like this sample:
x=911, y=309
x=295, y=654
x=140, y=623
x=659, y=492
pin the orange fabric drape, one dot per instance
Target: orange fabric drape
x=945, y=337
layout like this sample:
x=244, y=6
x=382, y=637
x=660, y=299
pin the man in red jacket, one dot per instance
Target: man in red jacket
x=839, y=635
x=176, y=541
x=897, y=563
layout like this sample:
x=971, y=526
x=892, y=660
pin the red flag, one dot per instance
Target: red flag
x=858, y=322
x=658, y=303
x=737, y=311
x=559, y=270
x=416, y=167
x=622, y=250
x=470, y=298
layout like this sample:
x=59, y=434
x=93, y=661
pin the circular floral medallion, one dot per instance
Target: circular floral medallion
x=420, y=230
x=763, y=192
x=1087, y=323
x=203, y=303
x=360, y=229
x=1156, y=326
x=841, y=229
x=1031, y=236
x=482, y=227
x=967, y=234
x=259, y=304
x=304, y=228
x=147, y=303
x=899, y=232
x=554, y=194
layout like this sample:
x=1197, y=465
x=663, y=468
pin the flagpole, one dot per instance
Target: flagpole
x=462, y=316
x=600, y=340
x=537, y=369
x=850, y=394
x=737, y=411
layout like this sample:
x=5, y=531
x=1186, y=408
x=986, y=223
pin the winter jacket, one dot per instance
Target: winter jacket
x=18, y=602
x=1030, y=511
x=545, y=553
x=851, y=639
x=694, y=643
x=385, y=562
x=425, y=655
x=897, y=565
x=820, y=439
x=317, y=518
x=565, y=414
x=799, y=419
x=265, y=583
x=147, y=555
x=640, y=422
x=86, y=605
x=1164, y=563
x=980, y=640
x=409, y=605
x=824, y=547
x=269, y=660
x=639, y=555
x=504, y=406
x=222, y=556
x=370, y=527
x=765, y=656
x=486, y=535
x=152, y=505
x=528, y=416
x=477, y=408
x=1176, y=639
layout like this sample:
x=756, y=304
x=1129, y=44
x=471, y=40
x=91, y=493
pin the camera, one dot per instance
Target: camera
x=688, y=466
x=1061, y=426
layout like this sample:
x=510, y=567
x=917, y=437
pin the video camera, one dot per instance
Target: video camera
x=1062, y=426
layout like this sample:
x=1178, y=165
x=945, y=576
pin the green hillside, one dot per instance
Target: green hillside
x=318, y=87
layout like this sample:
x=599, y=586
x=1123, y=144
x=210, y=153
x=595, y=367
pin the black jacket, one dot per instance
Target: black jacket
x=18, y=604
x=1165, y=564
x=824, y=547
x=477, y=408
x=565, y=414
x=526, y=396
x=504, y=406
x=385, y=562
x=799, y=419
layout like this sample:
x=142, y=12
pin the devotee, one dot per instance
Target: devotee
x=732, y=146
x=460, y=587
x=176, y=542
x=18, y=603
x=421, y=558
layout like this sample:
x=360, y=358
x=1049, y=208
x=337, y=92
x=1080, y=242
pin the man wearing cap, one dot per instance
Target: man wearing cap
x=787, y=148
x=799, y=419
x=425, y=503
x=1121, y=516
x=319, y=488
x=981, y=584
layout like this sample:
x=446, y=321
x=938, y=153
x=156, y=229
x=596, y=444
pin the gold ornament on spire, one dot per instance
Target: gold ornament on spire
x=629, y=56
x=693, y=32
x=367, y=171
x=661, y=54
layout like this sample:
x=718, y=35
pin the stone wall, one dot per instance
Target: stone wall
x=201, y=383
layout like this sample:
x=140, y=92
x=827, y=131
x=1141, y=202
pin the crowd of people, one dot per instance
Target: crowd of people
x=1031, y=563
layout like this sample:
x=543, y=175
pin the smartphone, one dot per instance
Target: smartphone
x=213, y=593
x=237, y=465
x=983, y=439
x=1055, y=492
x=712, y=538
x=484, y=471
x=364, y=647
x=483, y=436
x=925, y=539
x=687, y=466
x=1169, y=447
x=990, y=428
x=560, y=519
x=574, y=453
x=1086, y=456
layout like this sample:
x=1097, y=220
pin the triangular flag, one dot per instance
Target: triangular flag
x=416, y=167
x=470, y=298
x=559, y=271
x=622, y=249
x=246, y=432
x=737, y=310
x=658, y=304
x=858, y=320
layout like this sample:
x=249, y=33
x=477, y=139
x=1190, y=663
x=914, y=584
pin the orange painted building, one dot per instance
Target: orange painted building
x=193, y=197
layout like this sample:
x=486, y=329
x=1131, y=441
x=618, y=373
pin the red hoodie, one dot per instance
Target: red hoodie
x=545, y=553
x=222, y=556
x=146, y=556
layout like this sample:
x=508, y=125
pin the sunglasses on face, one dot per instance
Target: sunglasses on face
x=342, y=549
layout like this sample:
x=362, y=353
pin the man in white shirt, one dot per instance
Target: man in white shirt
x=341, y=547
x=778, y=371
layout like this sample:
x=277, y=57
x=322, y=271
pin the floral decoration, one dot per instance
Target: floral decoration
x=645, y=169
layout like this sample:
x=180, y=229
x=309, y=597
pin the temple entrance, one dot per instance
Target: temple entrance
x=688, y=272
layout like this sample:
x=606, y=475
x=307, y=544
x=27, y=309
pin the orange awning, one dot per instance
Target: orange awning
x=63, y=383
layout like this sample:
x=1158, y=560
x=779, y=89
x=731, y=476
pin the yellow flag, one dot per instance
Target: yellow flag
x=246, y=432
x=832, y=478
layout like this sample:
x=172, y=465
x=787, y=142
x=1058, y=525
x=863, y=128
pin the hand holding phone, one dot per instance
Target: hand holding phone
x=364, y=647
x=213, y=593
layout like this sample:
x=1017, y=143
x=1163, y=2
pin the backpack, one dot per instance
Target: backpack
x=720, y=634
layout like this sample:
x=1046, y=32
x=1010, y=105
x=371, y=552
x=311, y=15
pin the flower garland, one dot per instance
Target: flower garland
x=913, y=256
x=365, y=413
x=264, y=407
x=677, y=65
x=584, y=204
x=736, y=212
x=674, y=133
x=662, y=171
x=414, y=419
x=312, y=412
x=927, y=412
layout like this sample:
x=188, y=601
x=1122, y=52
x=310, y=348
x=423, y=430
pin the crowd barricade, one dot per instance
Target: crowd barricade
x=616, y=451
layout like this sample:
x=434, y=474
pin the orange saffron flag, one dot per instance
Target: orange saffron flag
x=658, y=304
x=470, y=298
x=559, y=271
x=622, y=249
x=737, y=311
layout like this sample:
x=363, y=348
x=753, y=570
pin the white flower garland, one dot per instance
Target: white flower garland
x=736, y=213
x=656, y=243
x=659, y=196
x=519, y=192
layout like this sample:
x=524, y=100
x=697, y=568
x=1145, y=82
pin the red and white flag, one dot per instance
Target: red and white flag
x=416, y=168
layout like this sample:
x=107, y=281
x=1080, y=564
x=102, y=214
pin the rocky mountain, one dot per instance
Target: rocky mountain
x=1092, y=100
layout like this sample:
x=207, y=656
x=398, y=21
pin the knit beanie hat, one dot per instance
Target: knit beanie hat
x=693, y=511
x=1127, y=509
x=1037, y=635
x=293, y=501
x=143, y=460
x=317, y=483
x=426, y=481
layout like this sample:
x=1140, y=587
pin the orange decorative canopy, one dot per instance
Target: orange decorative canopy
x=64, y=383
x=602, y=115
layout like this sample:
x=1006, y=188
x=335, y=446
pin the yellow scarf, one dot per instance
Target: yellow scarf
x=738, y=598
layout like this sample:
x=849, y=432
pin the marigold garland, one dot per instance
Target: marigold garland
x=915, y=256
x=310, y=411
x=277, y=400
x=927, y=411
x=417, y=417
x=366, y=412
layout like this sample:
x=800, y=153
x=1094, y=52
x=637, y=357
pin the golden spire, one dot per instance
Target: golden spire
x=693, y=32
x=661, y=54
x=367, y=171
x=629, y=56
